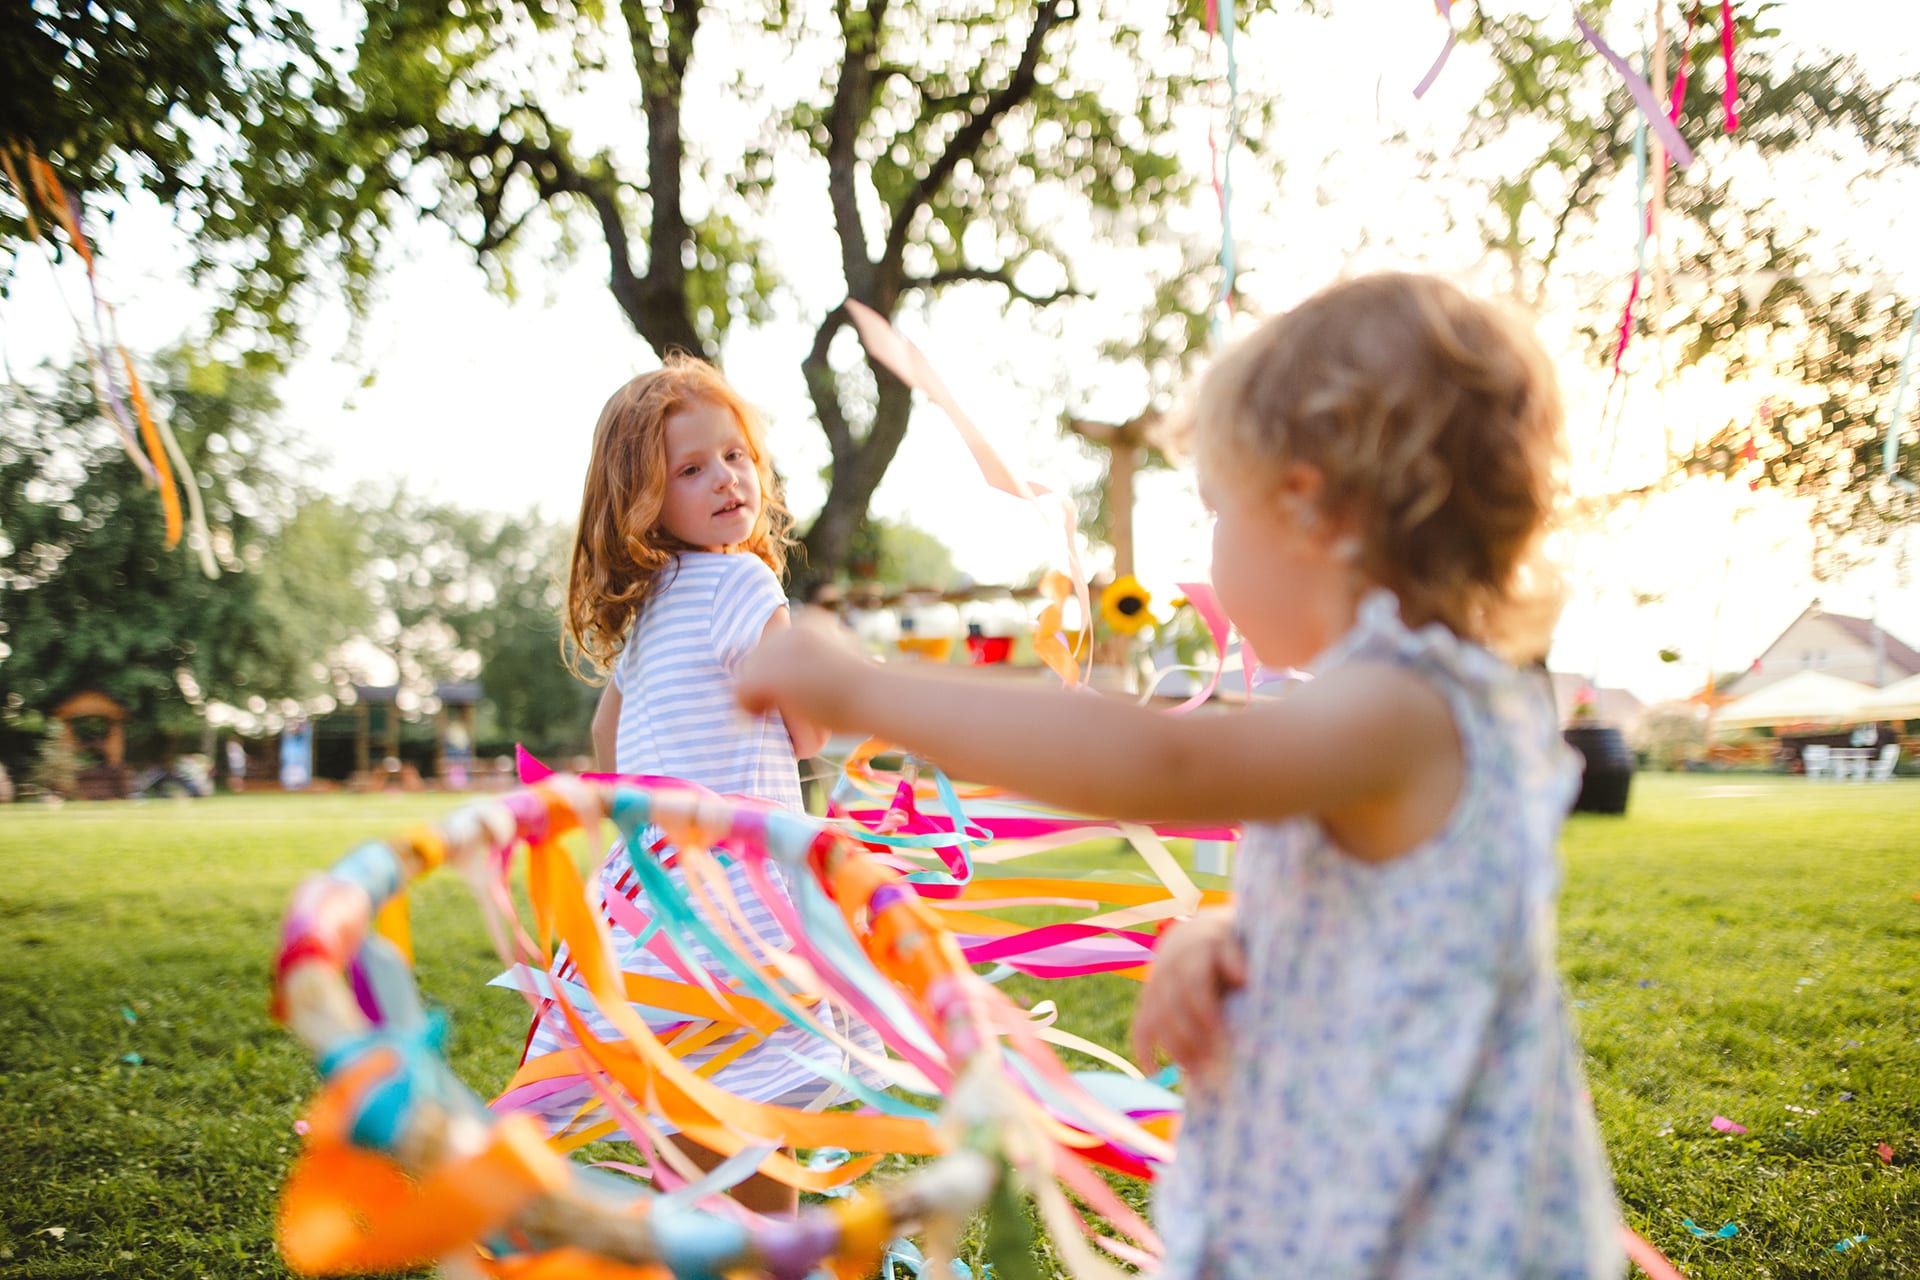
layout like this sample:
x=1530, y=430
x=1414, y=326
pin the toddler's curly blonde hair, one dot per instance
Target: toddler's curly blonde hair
x=1434, y=419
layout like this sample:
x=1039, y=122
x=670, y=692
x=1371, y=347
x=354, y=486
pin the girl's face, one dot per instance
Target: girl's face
x=713, y=487
x=1277, y=566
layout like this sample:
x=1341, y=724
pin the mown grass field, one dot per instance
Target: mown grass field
x=1737, y=947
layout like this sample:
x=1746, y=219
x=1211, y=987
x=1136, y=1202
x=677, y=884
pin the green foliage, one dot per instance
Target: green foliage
x=958, y=144
x=1756, y=288
x=897, y=555
x=92, y=598
x=457, y=591
x=1009, y=1242
x=148, y=95
x=1092, y=501
x=1670, y=738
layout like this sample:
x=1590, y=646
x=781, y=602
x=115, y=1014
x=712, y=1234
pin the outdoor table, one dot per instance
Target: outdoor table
x=1851, y=762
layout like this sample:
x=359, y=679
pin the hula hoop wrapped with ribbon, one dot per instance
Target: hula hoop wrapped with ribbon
x=404, y=1165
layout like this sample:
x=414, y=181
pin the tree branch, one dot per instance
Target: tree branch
x=992, y=275
x=972, y=135
x=656, y=307
x=1582, y=180
x=1135, y=432
x=851, y=99
x=661, y=42
x=824, y=389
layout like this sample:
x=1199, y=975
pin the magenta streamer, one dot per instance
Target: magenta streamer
x=1730, y=90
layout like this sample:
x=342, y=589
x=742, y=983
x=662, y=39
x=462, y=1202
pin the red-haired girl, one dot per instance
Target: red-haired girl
x=675, y=577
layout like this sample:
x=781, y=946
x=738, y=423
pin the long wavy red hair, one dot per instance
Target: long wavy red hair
x=620, y=550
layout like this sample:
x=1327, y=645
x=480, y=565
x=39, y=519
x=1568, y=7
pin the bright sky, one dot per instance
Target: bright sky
x=491, y=403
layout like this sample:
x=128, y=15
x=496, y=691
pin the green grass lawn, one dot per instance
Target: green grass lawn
x=1738, y=947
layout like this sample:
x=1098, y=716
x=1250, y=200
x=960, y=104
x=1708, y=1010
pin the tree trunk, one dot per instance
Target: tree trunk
x=830, y=540
x=1126, y=444
x=1121, y=465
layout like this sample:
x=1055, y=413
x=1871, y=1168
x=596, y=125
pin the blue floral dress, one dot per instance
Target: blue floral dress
x=1403, y=1097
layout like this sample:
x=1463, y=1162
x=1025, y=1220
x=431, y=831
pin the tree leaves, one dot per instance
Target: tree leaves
x=1760, y=290
x=91, y=599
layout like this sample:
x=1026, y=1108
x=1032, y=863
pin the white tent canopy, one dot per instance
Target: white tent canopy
x=1900, y=701
x=1805, y=697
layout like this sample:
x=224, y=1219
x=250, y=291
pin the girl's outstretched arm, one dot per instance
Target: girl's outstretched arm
x=1358, y=743
x=809, y=738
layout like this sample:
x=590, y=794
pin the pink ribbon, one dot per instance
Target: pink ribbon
x=1730, y=90
x=1675, y=101
x=1642, y=92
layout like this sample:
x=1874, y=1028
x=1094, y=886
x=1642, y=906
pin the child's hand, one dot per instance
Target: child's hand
x=802, y=670
x=1180, y=1013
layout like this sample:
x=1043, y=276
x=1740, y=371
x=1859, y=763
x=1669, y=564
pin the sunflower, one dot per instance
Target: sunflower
x=1123, y=606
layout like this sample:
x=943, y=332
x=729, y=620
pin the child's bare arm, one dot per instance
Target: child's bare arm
x=1352, y=741
x=606, y=729
x=808, y=737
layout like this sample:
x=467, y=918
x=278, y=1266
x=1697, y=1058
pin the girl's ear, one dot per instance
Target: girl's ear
x=1301, y=490
x=1302, y=482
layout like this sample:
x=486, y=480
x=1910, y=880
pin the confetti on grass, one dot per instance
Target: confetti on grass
x=1725, y=1125
x=1726, y=1232
x=1848, y=1243
x=1886, y=1153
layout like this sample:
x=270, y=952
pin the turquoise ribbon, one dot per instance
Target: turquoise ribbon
x=1891, y=451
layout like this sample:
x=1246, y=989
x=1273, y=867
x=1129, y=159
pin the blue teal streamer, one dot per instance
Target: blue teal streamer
x=630, y=812
x=1891, y=450
x=1726, y=1232
x=827, y=931
x=421, y=1076
x=884, y=1103
x=828, y=934
x=1228, y=269
x=396, y=993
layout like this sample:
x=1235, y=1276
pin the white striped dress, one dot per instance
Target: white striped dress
x=678, y=718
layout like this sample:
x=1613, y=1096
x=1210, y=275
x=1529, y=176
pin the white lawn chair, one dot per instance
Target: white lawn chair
x=1215, y=857
x=1883, y=766
x=1817, y=759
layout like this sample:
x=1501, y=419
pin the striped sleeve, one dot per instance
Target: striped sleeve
x=746, y=595
x=617, y=677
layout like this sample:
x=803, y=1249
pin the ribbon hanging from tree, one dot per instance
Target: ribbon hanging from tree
x=1445, y=9
x=1890, y=450
x=108, y=359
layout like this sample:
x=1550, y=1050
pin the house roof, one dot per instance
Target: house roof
x=1617, y=706
x=1902, y=659
x=89, y=702
x=1899, y=653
